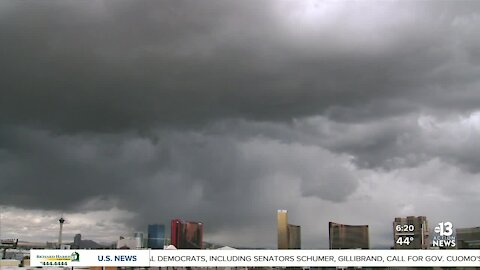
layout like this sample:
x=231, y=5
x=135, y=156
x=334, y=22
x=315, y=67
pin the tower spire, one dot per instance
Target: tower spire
x=61, y=221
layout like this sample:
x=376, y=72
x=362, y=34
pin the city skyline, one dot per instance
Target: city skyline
x=341, y=236
x=119, y=114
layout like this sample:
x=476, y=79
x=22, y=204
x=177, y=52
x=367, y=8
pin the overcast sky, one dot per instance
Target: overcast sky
x=122, y=113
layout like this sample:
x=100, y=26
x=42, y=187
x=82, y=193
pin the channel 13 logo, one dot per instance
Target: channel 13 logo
x=444, y=235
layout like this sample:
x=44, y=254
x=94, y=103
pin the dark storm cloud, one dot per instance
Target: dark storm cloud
x=224, y=111
x=191, y=166
x=118, y=65
x=217, y=179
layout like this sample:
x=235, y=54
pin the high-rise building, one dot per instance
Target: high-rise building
x=156, y=236
x=139, y=240
x=77, y=241
x=176, y=232
x=186, y=234
x=342, y=236
x=468, y=238
x=411, y=233
x=193, y=235
x=289, y=236
x=294, y=237
x=282, y=229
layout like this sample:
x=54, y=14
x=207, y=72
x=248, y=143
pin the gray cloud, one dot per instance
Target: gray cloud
x=235, y=181
x=226, y=111
x=216, y=179
x=117, y=65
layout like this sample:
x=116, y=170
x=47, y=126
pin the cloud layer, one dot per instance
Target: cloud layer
x=224, y=112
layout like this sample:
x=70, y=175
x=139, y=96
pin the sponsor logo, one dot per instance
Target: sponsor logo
x=75, y=257
x=58, y=260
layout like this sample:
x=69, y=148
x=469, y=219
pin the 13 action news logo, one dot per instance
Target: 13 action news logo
x=444, y=235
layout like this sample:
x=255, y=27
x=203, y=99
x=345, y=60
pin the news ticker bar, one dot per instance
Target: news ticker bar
x=256, y=258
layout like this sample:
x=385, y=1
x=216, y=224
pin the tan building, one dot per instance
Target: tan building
x=282, y=229
x=294, y=237
x=411, y=233
x=468, y=238
x=289, y=236
x=343, y=236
